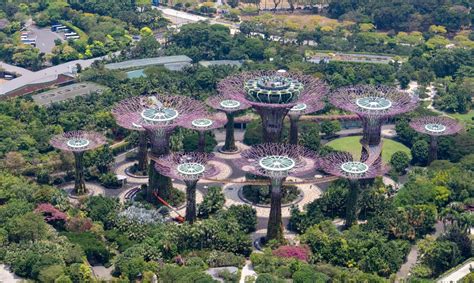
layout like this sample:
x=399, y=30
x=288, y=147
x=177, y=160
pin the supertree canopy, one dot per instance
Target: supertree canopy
x=230, y=107
x=272, y=95
x=159, y=115
x=277, y=161
x=435, y=126
x=189, y=167
x=296, y=112
x=373, y=104
x=118, y=112
x=342, y=164
x=203, y=123
x=78, y=142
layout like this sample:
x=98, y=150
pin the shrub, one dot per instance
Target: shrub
x=245, y=216
x=103, y=209
x=51, y=214
x=78, y=224
x=196, y=262
x=262, y=195
x=298, y=252
x=307, y=275
x=212, y=202
x=110, y=181
x=94, y=248
x=50, y=273
x=220, y=259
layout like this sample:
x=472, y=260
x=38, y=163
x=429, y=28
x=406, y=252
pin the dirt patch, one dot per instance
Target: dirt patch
x=297, y=21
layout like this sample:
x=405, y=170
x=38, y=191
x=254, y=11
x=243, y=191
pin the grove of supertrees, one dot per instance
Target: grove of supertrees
x=374, y=105
x=159, y=115
x=343, y=165
x=276, y=161
x=435, y=126
x=230, y=107
x=203, y=124
x=189, y=167
x=297, y=111
x=78, y=142
x=272, y=94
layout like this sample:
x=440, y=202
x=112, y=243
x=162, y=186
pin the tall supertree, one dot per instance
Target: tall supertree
x=230, y=107
x=159, y=115
x=374, y=105
x=203, y=123
x=189, y=167
x=435, y=126
x=272, y=95
x=78, y=142
x=296, y=112
x=142, y=138
x=342, y=164
x=277, y=161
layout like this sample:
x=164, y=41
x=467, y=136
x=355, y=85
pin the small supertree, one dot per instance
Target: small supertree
x=373, y=104
x=117, y=112
x=78, y=142
x=296, y=112
x=189, y=167
x=159, y=115
x=203, y=123
x=272, y=94
x=435, y=126
x=342, y=164
x=276, y=161
x=230, y=107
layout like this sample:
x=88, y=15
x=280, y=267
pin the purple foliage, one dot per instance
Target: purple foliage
x=92, y=140
x=448, y=126
x=199, y=121
x=50, y=212
x=332, y=164
x=168, y=165
x=299, y=252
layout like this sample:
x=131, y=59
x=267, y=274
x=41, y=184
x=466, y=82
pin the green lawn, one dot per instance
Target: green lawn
x=465, y=118
x=352, y=145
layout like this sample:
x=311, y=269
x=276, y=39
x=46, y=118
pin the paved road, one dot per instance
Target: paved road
x=45, y=38
x=457, y=274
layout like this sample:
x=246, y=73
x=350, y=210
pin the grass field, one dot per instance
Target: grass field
x=467, y=118
x=352, y=145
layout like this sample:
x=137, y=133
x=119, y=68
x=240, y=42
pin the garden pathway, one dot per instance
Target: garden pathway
x=457, y=274
x=7, y=276
x=247, y=271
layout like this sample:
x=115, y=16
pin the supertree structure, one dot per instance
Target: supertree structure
x=296, y=112
x=230, y=107
x=435, y=126
x=374, y=105
x=277, y=161
x=142, y=138
x=342, y=164
x=203, y=122
x=189, y=167
x=272, y=95
x=78, y=142
x=159, y=115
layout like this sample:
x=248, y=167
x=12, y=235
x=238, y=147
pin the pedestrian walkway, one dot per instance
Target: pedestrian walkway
x=458, y=273
x=247, y=271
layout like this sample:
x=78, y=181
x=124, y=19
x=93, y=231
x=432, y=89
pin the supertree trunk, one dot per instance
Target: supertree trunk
x=275, y=225
x=142, y=152
x=229, y=144
x=351, y=203
x=191, y=201
x=433, y=153
x=201, y=141
x=372, y=131
x=156, y=181
x=79, y=183
x=272, y=123
x=294, y=129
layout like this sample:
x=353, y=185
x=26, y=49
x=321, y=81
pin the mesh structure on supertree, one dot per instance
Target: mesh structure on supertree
x=435, y=126
x=374, y=105
x=202, y=123
x=272, y=94
x=297, y=111
x=277, y=161
x=230, y=107
x=189, y=167
x=78, y=142
x=342, y=164
x=159, y=115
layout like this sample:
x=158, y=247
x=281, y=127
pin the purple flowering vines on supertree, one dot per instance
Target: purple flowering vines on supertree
x=189, y=167
x=78, y=142
x=435, y=126
x=277, y=161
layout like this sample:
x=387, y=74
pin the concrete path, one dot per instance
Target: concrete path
x=102, y=272
x=14, y=69
x=457, y=274
x=247, y=271
x=6, y=276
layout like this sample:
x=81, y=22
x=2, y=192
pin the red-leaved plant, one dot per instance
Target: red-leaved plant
x=298, y=252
